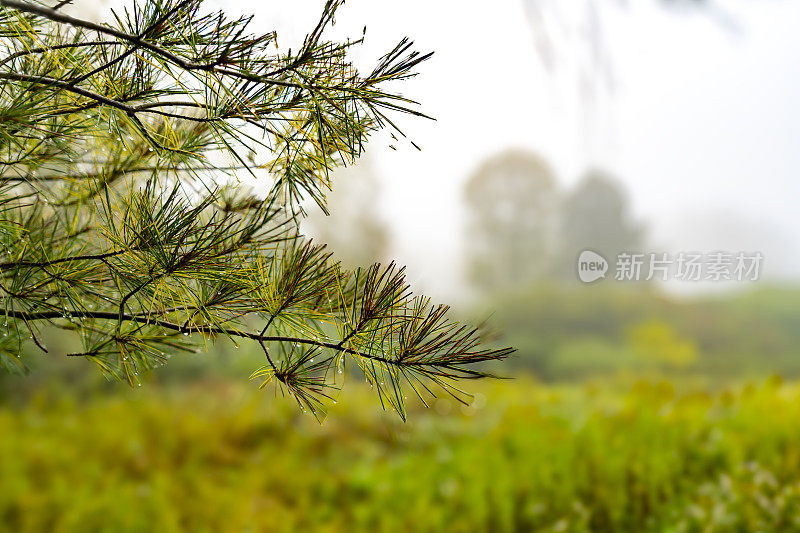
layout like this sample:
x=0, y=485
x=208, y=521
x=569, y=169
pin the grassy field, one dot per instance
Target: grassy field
x=644, y=456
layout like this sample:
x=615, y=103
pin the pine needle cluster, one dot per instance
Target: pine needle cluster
x=123, y=220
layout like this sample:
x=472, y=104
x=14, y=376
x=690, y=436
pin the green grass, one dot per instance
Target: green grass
x=524, y=457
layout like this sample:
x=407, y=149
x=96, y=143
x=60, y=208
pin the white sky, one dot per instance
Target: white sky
x=704, y=127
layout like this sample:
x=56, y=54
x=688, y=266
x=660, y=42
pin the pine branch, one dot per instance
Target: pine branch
x=229, y=332
x=123, y=221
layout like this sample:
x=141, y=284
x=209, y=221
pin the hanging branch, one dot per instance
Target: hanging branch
x=123, y=220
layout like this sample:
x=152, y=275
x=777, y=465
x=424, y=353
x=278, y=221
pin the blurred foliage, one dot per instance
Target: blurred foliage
x=658, y=341
x=637, y=456
x=572, y=332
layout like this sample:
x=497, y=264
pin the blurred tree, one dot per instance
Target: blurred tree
x=354, y=230
x=511, y=200
x=594, y=216
x=122, y=221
